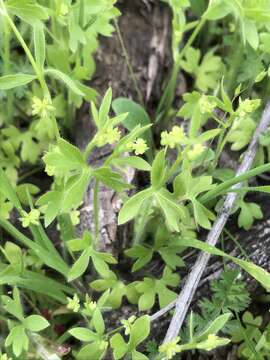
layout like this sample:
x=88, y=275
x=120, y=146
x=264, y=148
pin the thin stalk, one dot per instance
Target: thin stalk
x=168, y=95
x=247, y=340
x=31, y=59
x=29, y=173
x=81, y=14
x=6, y=61
x=89, y=149
x=237, y=52
x=240, y=247
x=96, y=211
x=144, y=219
x=126, y=56
x=52, y=260
x=175, y=165
x=212, y=194
x=54, y=38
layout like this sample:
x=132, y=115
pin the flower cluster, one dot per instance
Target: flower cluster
x=195, y=152
x=73, y=303
x=89, y=306
x=206, y=106
x=110, y=136
x=139, y=146
x=128, y=323
x=30, y=218
x=42, y=108
x=4, y=357
x=174, y=137
x=170, y=348
x=64, y=9
x=247, y=106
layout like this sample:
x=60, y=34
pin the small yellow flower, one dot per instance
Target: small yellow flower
x=195, y=152
x=247, y=106
x=41, y=108
x=113, y=135
x=173, y=138
x=89, y=305
x=171, y=348
x=103, y=345
x=108, y=136
x=128, y=323
x=75, y=217
x=4, y=357
x=206, y=106
x=64, y=10
x=139, y=146
x=50, y=170
x=74, y=303
x=30, y=218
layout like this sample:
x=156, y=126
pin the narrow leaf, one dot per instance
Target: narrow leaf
x=8, y=82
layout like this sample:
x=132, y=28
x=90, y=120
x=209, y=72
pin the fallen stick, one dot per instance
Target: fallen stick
x=186, y=295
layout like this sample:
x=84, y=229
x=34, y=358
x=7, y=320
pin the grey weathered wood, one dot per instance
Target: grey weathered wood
x=187, y=293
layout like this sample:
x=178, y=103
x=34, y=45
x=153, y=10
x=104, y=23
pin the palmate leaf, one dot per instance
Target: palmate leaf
x=248, y=213
x=171, y=210
x=132, y=206
x=100, y=260
x=118, y=290
x=111, y=179
x=206, y=72
x=136, y=115
x=7, y=190
x=139, y=331
x=150, y=288
x=28, y=10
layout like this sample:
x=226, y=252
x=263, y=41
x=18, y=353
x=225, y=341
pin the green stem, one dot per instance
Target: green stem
x=81, y=14
x=96, y=211
x=233, y=238
x=125, y=53
x=6, y=61
x=168, y=94
x=212, y=194
x=89, y=149
x=175, y=165
x=31, y=59
x=29, y=55
x=143, y=222
x=51, y=259
x=237, y=52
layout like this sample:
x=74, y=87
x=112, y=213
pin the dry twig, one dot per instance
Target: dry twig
x=186, y=295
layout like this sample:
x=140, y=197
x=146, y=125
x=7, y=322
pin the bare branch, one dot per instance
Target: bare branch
x=186, y=295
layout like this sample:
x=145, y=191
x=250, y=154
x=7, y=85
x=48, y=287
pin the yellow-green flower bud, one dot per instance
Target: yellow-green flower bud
x=206, y=106
x=74, y=303
x=173, y=138
x=42, y=108
x=30, y=218
x=195, y=151
x=139, y=146
x=171, y=348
